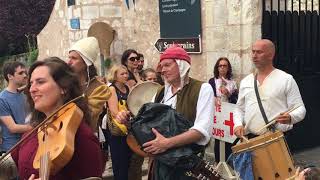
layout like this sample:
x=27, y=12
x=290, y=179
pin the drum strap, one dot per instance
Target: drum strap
x=271, y=127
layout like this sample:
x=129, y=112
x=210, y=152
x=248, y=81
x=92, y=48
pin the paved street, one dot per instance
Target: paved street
x=108, y=175
x=308, y=157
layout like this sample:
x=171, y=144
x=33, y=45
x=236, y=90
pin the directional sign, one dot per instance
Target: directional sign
x=191, y=45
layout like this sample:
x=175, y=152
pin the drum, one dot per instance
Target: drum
x=139, y=95
x=270, y=155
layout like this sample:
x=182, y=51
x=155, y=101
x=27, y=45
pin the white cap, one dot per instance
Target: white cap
x=88, y=48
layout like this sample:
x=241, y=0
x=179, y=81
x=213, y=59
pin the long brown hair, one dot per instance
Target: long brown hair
x=216, y=66
x=66, y=79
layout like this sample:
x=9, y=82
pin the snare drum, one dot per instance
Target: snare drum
x=270, y=155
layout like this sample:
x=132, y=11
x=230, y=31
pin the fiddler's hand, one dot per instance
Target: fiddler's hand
x=239, y=131
x=159, y=145
x=123, y=117
x=284, y=118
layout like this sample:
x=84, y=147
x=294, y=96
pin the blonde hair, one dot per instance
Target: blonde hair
x=112, y=75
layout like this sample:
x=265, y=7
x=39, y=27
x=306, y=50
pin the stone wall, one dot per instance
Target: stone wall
x=228, y=29
x=54, y=38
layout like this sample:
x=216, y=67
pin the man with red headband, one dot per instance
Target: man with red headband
x=190, y=97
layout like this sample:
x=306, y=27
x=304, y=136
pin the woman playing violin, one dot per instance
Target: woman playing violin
x=52, y=83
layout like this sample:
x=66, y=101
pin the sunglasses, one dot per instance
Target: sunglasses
x=133, y=59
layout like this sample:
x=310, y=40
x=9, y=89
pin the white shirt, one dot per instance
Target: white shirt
x=205, y=110
x=230, y=85
x=279, y=93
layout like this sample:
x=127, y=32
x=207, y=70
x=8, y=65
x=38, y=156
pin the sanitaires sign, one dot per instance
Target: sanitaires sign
x=180, y=23
x=191, y=45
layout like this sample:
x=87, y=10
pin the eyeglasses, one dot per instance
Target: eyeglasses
x=133, y=59
x=222, y=65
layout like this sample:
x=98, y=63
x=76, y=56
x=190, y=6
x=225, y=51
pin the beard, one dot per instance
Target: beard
x=140, y=67
x=22, y=83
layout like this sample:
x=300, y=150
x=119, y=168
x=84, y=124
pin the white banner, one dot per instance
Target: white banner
x=223, y=122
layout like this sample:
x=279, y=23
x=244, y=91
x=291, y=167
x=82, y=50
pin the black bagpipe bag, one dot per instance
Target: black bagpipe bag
x=168, y=122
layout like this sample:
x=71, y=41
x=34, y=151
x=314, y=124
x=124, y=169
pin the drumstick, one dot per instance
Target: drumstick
x=244, y=138
x=274, y=119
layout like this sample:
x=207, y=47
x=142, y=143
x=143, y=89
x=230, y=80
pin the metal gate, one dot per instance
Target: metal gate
x=294, y=27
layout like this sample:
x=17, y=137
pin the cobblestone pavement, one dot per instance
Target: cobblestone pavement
x=108, y=175
x=308, y=157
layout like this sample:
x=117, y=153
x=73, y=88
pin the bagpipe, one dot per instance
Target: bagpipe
x=168, y=122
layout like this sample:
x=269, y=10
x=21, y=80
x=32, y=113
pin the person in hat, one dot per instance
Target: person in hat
x=191, y=98
x=82, y=56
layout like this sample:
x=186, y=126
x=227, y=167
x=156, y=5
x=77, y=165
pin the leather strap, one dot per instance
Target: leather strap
x=271, y=127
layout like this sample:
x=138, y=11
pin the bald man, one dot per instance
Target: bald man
x=278, y=91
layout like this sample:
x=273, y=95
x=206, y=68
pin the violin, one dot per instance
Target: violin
x=56, y=141
x=56, y=135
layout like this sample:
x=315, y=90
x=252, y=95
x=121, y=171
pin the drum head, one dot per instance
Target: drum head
x=140, y=94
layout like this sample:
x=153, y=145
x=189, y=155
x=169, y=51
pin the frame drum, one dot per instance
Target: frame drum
x=140, y=94
x=271, y=158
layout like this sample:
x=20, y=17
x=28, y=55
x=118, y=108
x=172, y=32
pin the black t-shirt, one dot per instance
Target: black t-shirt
x=121, y=95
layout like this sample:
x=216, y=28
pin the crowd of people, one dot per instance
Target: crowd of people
x=34, y=97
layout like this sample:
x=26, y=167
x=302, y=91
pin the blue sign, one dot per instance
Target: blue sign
x=75, y=23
